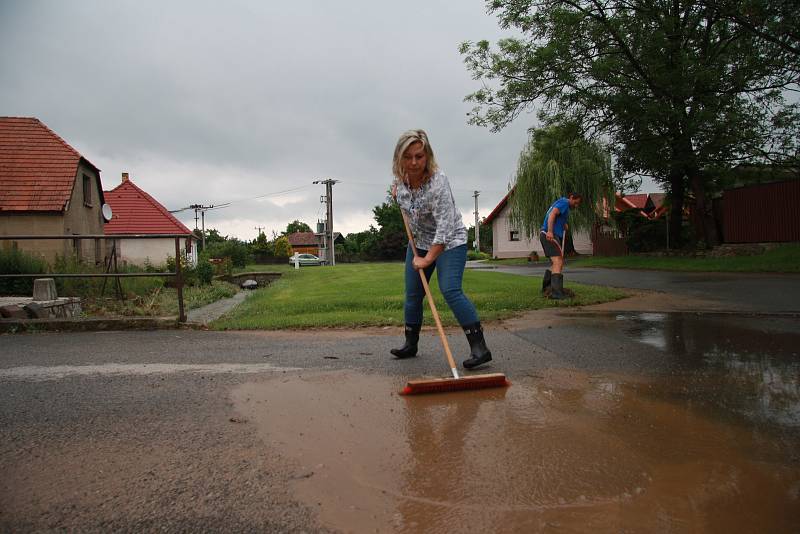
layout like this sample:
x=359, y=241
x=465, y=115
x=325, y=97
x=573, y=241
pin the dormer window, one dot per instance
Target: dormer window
x=87, y=191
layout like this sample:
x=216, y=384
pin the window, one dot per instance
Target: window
x=513, y=235
x=87, y=191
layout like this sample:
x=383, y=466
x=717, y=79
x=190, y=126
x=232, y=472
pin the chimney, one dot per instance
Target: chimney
x=124, y=176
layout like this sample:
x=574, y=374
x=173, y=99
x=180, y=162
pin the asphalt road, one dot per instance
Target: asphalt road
x=136, y=431
x=751, y=292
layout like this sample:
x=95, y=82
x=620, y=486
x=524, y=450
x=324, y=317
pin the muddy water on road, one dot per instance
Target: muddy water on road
x=709, y=446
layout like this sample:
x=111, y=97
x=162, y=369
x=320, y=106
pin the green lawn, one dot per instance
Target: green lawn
x=371, y=294
x=783, y=259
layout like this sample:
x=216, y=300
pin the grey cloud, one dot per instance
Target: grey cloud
x=211, y=102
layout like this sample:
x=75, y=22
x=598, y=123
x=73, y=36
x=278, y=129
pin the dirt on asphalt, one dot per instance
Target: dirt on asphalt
x=563, y=451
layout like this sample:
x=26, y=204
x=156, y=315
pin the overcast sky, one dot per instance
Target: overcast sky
x=211, y=102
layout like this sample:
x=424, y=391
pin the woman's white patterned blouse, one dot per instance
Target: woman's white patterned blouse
x=432, y=213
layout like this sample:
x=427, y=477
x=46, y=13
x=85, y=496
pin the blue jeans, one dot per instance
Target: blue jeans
x=450, y=272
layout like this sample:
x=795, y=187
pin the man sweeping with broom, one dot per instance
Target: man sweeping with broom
x=552, y=235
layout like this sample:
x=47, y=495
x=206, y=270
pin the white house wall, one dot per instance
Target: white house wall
x=503, y=247
x=156, y=251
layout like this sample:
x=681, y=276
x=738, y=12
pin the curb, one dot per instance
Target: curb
x=11, y=326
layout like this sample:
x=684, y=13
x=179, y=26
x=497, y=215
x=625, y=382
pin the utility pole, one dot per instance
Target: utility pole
x=260, y=229
x=202, y=209
x=477, y=244
x=328, y=199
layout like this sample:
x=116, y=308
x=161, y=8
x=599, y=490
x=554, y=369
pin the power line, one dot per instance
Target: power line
x=203, y=209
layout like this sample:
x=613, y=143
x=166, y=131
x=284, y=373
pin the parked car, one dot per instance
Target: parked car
x=305, y=259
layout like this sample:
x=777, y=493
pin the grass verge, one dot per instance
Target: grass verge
x=782, y=259
x=371, y=294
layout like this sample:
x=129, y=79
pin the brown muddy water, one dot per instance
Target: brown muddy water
x=707, y=444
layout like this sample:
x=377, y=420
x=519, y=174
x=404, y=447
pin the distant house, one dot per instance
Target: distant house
x=136, y=212
x=310, y=243
x=304, y=242
x=48, y=188
x=651, y=205
x=509, y=242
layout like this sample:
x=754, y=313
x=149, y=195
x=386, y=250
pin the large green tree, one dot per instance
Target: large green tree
x=392, y=241
x=297, y=226
x=676, y=87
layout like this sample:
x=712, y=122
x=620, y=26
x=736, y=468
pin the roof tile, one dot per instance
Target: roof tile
x=36, y=165
x=136, y=212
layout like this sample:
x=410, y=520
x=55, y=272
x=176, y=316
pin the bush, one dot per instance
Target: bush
x=472, y=255
x=232, y=248
x=282, y=248
x=94, y=287
x=17, y=262
x=200, y=274
x=205, y=272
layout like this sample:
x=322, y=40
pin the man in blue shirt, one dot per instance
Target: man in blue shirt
x=552, y=235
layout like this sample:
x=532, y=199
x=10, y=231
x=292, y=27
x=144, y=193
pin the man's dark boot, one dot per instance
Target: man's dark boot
x=479, y=353
x=546, y=281
x=409, y=350
x=557, y=287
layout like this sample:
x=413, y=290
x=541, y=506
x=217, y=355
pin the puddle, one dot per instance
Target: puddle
x=741, y=367
x=562, y=451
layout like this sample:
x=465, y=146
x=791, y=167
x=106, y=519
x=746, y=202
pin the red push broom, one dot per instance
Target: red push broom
x=457, y=383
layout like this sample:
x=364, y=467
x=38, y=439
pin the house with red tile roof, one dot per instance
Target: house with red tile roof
x=509, y=242
x=134, y=211
x=650, y=205
x=47, y=188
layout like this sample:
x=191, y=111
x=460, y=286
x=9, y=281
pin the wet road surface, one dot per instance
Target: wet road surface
x=704, y=442
x=616, y=421
x=753, y=292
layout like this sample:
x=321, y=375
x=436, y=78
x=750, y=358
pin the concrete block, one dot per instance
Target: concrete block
x=37, y=311
x=44, y=289
x=12, y=311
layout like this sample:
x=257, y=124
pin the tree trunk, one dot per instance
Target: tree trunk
x=676, y=193
x=702, y=213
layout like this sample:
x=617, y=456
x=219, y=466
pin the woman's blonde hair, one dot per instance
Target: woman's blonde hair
x=406, y=140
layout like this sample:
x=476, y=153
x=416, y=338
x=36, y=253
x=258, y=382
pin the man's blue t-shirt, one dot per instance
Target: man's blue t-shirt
x=561, y=219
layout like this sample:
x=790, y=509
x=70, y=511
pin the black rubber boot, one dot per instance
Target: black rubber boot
x=409, y=350
x=546, y=281
x=557, y=287
x=479, y=353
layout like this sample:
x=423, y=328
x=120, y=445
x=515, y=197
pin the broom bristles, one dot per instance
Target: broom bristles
x=442, y=385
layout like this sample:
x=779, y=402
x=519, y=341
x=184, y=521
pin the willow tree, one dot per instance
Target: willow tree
x=558, y=160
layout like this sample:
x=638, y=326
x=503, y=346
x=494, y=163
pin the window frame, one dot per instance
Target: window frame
x=87, y=190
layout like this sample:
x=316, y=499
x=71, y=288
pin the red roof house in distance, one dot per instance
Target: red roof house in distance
x=650, y=205
x=311, y=243
x=134, y=211
x=47, y=188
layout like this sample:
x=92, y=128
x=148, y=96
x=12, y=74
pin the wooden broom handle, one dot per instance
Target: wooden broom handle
x=430, y=299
